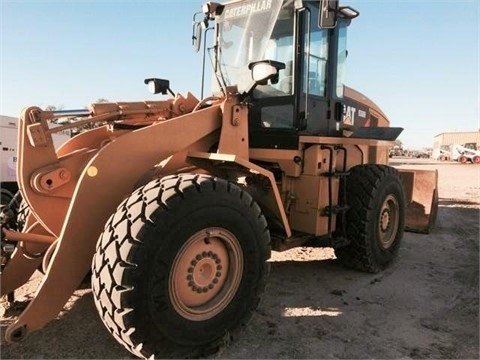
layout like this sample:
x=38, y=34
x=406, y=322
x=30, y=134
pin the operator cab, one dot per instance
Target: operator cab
x=306, y=97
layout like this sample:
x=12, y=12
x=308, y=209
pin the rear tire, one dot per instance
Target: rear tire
x=476, y=159
x=375, y=219
x=183, y=259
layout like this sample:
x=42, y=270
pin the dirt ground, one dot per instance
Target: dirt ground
x=426, y=305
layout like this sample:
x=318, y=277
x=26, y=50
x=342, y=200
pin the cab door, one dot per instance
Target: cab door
x=298, y=103
x=273, y=113
x=313, y=102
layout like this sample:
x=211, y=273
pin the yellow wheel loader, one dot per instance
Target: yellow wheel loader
x=174, y=205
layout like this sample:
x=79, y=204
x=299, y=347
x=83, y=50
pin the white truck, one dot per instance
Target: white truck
x=8, y=156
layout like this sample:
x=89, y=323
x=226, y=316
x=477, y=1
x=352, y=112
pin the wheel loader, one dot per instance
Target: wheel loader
x=174, y=206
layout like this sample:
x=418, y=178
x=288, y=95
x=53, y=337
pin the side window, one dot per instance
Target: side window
x=278, y=116
x=316, y=54
x=342, y=58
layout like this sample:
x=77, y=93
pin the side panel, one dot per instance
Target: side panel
x=311, y=193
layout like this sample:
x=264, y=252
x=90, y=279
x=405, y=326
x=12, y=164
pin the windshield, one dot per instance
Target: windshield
x=250, y=31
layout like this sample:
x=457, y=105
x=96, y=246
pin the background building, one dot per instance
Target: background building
x=450, y=138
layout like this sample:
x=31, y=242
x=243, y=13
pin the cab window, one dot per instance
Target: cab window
x=316, y=54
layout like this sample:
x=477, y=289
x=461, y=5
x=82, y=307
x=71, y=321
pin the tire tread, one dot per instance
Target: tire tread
x=362, y=188
x=113, y=269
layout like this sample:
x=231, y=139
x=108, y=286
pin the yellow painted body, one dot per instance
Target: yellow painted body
x=73, y=192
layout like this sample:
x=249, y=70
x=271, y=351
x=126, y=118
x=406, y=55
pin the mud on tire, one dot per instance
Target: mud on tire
x=375, y=219
x=183, y=259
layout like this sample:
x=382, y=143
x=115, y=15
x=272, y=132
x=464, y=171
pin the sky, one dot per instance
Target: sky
x=419, y=60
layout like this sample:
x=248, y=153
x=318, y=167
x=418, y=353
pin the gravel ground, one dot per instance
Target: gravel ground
x=423, y=306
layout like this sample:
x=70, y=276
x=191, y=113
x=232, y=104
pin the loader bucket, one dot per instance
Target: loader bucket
x=421, y=190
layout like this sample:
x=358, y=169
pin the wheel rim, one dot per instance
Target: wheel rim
x=388, y=221
x=206, y=274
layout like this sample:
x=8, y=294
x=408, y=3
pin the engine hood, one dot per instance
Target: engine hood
x=377, y=116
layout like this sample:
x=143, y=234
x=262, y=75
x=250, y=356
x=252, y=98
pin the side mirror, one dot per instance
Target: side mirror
x=328, y=14
x=262, y=71
x=265, y=70
x=158, y=86
x=197, y=36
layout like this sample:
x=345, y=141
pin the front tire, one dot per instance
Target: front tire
x=183, y=259
x=375, y=219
